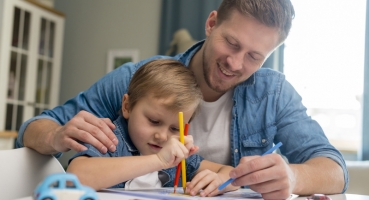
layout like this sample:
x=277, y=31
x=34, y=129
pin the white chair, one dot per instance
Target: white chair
x=359, y=177
x=22, y=169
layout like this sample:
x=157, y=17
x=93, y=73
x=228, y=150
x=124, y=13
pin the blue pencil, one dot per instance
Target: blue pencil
x=221, y=187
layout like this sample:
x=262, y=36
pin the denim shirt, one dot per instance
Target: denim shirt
x=125, y=147
x=266, y=110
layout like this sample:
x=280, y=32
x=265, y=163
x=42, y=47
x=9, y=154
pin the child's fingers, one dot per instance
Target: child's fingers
x=182, y=151
x=210, y=185
x=173, y=152
x=213, y=190
x=200, y=181
x=193, y=150
x=190, y=145
x=188, y=140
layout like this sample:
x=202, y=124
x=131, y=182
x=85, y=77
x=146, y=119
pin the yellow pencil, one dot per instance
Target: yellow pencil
x=181, y=138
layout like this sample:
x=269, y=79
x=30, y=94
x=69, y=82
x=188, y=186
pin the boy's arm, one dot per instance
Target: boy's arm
x=104, y=172
x=209, y=177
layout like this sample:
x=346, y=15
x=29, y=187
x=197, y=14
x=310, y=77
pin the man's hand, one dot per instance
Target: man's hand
x=87, y=128
x=269, y=175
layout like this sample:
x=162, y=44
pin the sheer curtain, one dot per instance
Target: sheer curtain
x=365, y=142
x=325, y=58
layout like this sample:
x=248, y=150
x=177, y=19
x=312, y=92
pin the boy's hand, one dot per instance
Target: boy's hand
x=174, y=151
x=206, y=180
x=188, y=140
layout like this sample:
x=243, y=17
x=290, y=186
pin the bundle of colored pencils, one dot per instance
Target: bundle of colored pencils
x=182, y=164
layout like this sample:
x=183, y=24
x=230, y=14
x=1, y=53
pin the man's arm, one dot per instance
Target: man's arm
x=48, y=137
x=37, y=136
x=102, y=100
x=318, y=175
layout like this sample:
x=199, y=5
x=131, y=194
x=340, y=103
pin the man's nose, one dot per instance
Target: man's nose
x=235, y=61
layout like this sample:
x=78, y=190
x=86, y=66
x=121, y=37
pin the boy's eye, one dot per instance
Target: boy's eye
x=174, y=129
x=255, y=57
x=153, y=121
x=252, y=57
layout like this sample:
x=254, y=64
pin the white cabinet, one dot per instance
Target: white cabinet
x=30, y=59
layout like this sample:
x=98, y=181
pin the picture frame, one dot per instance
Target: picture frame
x=117, y=57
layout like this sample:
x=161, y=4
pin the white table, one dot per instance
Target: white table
x=119, y=196
x=113, y=196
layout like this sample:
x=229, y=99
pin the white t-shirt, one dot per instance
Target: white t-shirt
x=210, y=128
x=150, y=180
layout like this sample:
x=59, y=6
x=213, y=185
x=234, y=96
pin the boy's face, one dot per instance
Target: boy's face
x=151, y=123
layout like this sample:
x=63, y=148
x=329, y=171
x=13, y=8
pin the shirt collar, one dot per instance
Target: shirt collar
x=122, y=128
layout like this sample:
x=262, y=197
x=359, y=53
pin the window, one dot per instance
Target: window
x=324, y=61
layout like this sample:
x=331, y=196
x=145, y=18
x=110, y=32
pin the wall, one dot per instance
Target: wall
x=92, y=27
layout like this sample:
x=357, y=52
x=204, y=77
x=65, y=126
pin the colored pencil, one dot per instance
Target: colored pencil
x=177, y=176
x=179, y=164
x=183, y=162
x=221, y=187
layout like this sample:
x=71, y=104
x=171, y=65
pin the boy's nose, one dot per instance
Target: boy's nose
x=161, y=135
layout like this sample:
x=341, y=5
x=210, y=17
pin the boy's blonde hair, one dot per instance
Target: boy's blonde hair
x=168, y=79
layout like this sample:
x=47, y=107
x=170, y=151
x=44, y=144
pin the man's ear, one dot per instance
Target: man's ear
x=125, y=106
x=211, y=22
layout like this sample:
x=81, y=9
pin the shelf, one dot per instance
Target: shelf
x=8, y=134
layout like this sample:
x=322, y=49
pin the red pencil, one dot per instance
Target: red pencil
x=179, y=164
x=177, y=177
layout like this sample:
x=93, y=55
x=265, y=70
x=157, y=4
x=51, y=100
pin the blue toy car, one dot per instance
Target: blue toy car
x=62, y=186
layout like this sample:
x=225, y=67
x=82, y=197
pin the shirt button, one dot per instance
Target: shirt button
x=263, y=140
x=236, y=150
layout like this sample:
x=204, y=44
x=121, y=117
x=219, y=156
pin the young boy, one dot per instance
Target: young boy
x=148, y=132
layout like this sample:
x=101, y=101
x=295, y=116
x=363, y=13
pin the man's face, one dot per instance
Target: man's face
x=151, y=124
x=235, y=49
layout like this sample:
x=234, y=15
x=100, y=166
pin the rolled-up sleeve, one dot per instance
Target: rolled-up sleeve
x=303, y=137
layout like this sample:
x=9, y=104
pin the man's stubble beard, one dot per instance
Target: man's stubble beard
x=206, y=74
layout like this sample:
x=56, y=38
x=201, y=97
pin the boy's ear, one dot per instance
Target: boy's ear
x=125, y=106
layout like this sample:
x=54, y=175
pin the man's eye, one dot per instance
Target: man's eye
x=153, y=121
x=230, y=43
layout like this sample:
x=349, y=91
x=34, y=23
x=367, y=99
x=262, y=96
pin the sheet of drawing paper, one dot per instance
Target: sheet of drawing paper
x=167, y=193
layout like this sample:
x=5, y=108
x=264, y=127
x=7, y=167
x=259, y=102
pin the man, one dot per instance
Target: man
x=245, y=109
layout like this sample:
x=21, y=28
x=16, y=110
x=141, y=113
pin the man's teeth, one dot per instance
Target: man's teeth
x=225, y=72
